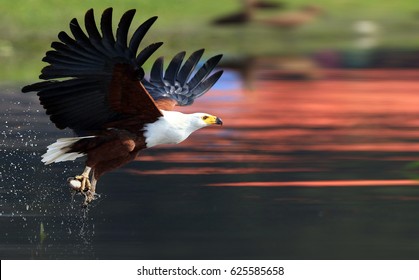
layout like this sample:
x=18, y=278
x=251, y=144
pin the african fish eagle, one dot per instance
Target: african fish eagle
x=96, y=86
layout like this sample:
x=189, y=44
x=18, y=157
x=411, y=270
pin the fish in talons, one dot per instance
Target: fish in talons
x=81, y=184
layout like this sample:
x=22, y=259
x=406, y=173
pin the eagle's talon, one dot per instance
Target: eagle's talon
x=89, y=196
x=80, y=183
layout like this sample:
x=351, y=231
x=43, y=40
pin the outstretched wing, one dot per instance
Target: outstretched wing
x=181, y=84
x=93, y=80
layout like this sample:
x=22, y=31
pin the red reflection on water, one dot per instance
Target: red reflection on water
x=348, y=117
x=217, y=170
x=341, y=115
x=214, y=156
x=322, y=183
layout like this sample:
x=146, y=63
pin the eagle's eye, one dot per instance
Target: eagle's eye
x=205, y=117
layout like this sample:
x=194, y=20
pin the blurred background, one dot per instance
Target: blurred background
x=318, y=157
x=352, y=33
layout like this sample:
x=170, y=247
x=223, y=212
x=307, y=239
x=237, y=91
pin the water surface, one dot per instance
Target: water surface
x=317, y=169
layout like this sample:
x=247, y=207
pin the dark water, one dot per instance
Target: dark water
x=321, y=169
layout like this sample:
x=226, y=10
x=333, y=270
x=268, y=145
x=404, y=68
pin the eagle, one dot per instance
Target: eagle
x=95, y=85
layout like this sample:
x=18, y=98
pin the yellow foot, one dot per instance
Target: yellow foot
x=81, y=184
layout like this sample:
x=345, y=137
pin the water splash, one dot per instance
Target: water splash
x=34, y=198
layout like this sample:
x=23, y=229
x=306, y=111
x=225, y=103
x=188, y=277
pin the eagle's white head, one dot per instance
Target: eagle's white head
x=174, y=127
x=200, y=120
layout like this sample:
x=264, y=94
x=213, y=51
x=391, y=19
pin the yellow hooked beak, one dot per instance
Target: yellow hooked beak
x=212, y=120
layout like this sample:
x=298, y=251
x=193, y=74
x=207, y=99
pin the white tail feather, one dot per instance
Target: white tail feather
x=57, y=151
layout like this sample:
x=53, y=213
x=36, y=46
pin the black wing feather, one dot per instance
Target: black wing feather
x=84, y=63
x=176, y=83
x=204, y=71
x=93, y=32
x=122, y=31
x=57, y=57
x=106, y=28
x=138, y=35
x=70, y=47
x=173, y=68
x=207, y=84
x=91, y=28
x=190, y=64
x=156, y=75
x=147, y=52
x=79, y=35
